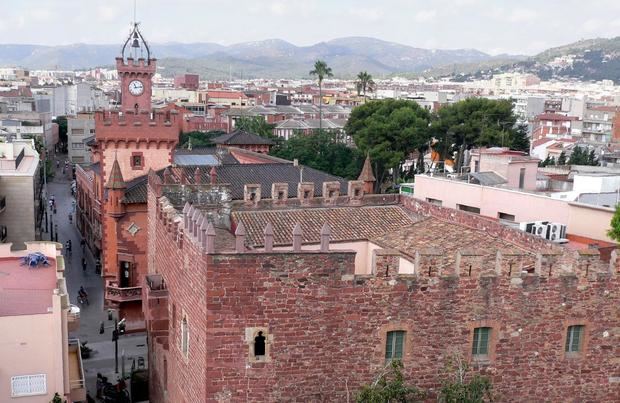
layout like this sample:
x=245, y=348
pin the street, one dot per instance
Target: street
x=102, y=359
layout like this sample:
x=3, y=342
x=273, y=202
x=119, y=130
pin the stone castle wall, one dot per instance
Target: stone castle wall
x=326, y=327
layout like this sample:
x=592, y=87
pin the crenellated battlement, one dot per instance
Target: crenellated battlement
x=129, y=65
x=139, y=118
x=430, y=266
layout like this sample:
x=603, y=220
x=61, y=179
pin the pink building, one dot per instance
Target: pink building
x=502, y=185
x=553, y=125
x=517, y=168
x=37, y=358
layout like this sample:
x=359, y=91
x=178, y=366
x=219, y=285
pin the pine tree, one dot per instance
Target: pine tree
x=592, y=160
x=562, y=158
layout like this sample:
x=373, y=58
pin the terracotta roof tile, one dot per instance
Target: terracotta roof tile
x=347, y=223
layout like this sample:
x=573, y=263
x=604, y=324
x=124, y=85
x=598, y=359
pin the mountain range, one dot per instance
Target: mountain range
x=272, y=58
x=585, y=60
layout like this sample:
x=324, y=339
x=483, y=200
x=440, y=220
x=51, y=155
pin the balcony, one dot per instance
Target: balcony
x=122, y=294
x=77, y=383
x=2, y=203
x=73, y=318
x=156, y=286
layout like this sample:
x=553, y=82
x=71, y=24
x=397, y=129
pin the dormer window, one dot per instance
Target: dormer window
x=137, y=160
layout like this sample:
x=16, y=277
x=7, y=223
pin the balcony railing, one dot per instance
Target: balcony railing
x=122, y=294
x=76, y=371
x=156, y=286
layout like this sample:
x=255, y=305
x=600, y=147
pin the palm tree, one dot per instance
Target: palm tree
x=321, y=70
x=365, y=82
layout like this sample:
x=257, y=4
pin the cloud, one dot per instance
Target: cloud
x=591, y=25
x=107, y=13
x=523, y=15
x=425, y=15
x=278, y=8
x=368, y=14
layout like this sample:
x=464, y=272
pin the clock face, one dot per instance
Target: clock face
x=136, y=87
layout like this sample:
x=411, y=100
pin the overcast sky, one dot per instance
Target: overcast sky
x=493, y=26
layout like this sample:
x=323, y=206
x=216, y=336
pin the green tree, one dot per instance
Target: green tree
x=477, y=122
x=592, y=160
x=389, y=386
x=62, y=129
x=520, y=140
x=57, y=399
x=614, y=230
x=562, y=158
x=256, y=125
x=321, y=71
x=322, y=150
x=389, y=130
x=364, y=82
x=198, y=139
x=461, y=386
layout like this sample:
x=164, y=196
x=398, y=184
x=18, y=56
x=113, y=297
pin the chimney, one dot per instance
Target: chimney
x=297, y=235
x=268, y=237
x=325, y=233
x=240, y=238
x=197, y=176
x=213, y=174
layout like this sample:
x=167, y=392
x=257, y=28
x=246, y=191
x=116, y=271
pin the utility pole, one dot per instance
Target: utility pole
x=115, y=340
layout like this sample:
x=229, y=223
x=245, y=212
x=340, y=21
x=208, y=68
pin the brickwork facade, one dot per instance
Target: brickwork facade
x=326, y=327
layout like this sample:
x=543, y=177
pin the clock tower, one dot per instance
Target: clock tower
x=136, y=68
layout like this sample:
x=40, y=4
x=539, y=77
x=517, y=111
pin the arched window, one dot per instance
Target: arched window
x=184, y=336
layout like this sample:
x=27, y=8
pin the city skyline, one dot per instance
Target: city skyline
x=494, y=27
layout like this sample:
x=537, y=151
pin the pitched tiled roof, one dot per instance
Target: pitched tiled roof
x=434, y=234
x=240, y=137
x=264, y=174
x=115, y=181
x=346, y=223
x=136, y=192
x=367, y=175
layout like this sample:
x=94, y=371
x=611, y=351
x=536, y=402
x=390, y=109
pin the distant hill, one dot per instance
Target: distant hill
x=269, y=58
x=585, y=60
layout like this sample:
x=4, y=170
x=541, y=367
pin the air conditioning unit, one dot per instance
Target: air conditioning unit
x=527, y=227
x=557, y=232
x=540, y=230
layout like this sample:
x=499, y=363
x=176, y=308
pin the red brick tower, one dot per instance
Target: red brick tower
x=135, y=71
x=129, y=141
x=114, y=209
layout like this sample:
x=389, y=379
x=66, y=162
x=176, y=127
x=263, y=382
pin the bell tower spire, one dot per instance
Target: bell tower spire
x=136, y=67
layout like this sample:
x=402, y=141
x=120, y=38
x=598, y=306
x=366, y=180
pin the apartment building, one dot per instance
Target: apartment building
x=20, y=201
x=38, y=357
x=80, y=130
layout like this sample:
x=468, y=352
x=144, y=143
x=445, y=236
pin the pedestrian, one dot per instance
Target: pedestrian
x=83, y=244
x=57, y=164
x=84, y=265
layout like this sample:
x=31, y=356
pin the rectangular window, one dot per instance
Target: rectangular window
x=136, y=160
x=394, y=345
x=77, y=146
x=506, y=216
x=574, y=339
x=436, y=202
x=469, y=209
x=521, y=178
x=77, y=131
x=480, y=346
x=28, y=385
